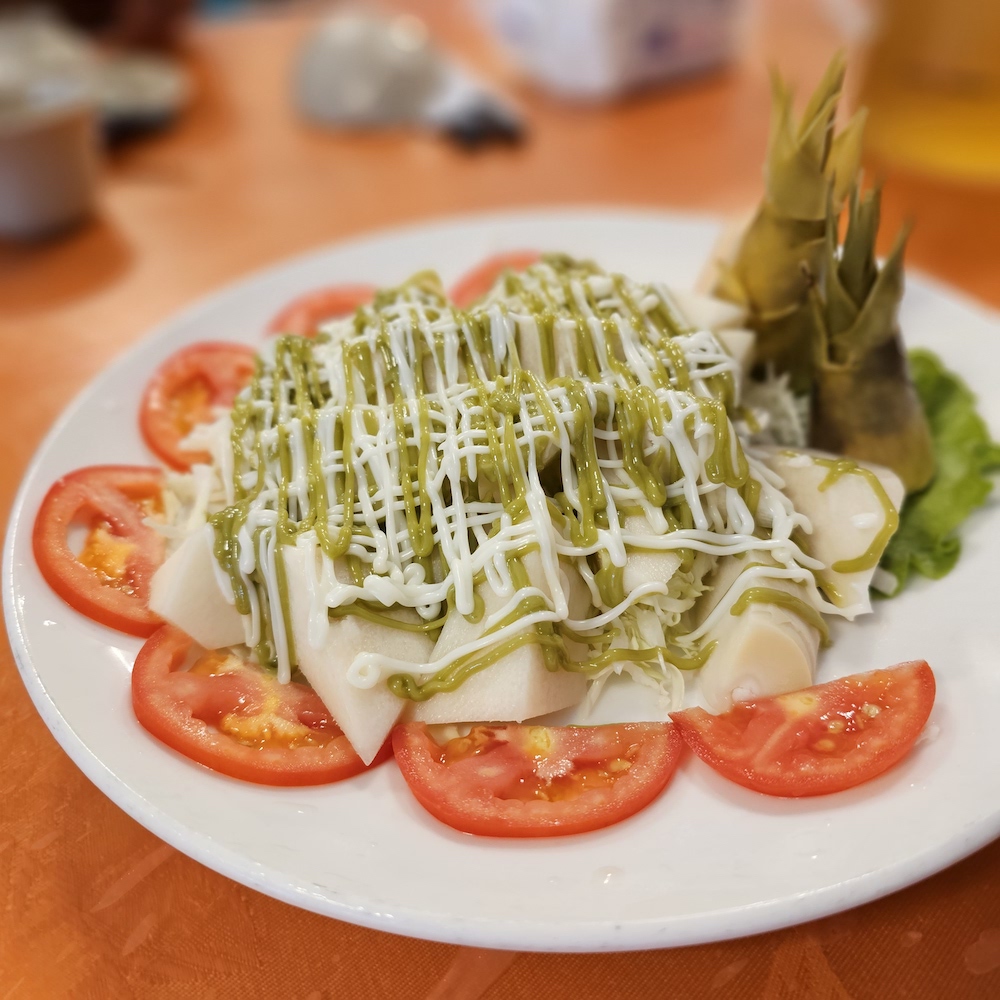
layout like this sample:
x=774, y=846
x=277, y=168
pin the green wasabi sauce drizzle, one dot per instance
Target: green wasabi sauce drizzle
x=869, y=558
x=361, y=609
x=373, y=374
x=771, y=595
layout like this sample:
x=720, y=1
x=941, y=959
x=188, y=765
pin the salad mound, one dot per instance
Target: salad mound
x=468, y=515
x=462, y=511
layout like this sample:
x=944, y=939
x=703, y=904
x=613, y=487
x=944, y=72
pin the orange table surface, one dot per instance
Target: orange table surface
x=94, y=906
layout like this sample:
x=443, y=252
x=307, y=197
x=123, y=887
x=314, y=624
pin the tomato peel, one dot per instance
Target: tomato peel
x=535, y=781
x=239, y=720
x=820, y=740
x=109, y=500
x=303, y=316
x=476, y=283
x=186, y=390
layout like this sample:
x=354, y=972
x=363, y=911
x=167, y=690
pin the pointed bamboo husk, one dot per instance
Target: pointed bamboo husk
x=780, y=255
x=864, y=404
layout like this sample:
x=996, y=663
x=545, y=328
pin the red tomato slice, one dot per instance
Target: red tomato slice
x=306, y=314
x=537, y=781
x=234, y=717
x=108, y=580
x=186, y=390
x=477, y=282
x=823, y=739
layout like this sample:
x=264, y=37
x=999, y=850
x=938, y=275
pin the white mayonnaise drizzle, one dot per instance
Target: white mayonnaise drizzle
x=473, y=532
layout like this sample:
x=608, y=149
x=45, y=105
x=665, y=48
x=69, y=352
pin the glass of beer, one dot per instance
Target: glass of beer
x=931, y=82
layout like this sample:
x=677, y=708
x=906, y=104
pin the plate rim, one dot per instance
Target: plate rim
x=592, y=936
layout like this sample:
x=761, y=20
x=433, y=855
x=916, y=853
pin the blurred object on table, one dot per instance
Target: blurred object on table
x=57, y=90
x=596, y=49
x=144, y=23
x=135, y=91
x=129, y=23
x=363, y=70
x=48, y=147
x=139, y=93
x=360, y=70
x=932, y=86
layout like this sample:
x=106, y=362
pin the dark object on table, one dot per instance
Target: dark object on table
x=139, y=93
x=133, y=93
x=366, y=71
x=468, y=114
x=130, y=23
x=484, y=124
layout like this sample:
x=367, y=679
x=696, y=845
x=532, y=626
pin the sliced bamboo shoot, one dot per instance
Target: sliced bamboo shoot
x=366, y=715
x=646, y=565
x=853, y=514
x=519, y=685
x=706, y=312
x=766, y=649
x=185, y=591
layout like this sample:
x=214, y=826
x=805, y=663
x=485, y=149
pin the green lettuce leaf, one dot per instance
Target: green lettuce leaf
x=927, y=541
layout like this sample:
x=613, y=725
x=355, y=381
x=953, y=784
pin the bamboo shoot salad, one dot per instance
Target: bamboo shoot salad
x=418, y=523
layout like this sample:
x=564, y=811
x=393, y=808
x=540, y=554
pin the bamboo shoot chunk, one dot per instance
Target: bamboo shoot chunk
x=366, y=715
x=529, y=346
x=512, y=690
x=578, y=605
x=564, y=348
x=705, y=312
x=765, y=650
x=518, y=685
x=564, y=334
x=723, y=576
x=646, y=565
x=185, y=591
x=851, y=515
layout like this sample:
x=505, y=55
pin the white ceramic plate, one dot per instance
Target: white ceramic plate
x=707, y=861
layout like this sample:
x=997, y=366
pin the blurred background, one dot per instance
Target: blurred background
x=289, y=103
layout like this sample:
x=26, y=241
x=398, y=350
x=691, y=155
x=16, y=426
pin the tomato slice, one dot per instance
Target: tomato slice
x=108, y=580
x=537, y=781
x=235, y=717
x=306, y=314
x=823, y=739
x=186, y=390
x=477, y=282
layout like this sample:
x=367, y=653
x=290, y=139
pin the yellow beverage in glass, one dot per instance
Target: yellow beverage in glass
x=932, y=87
